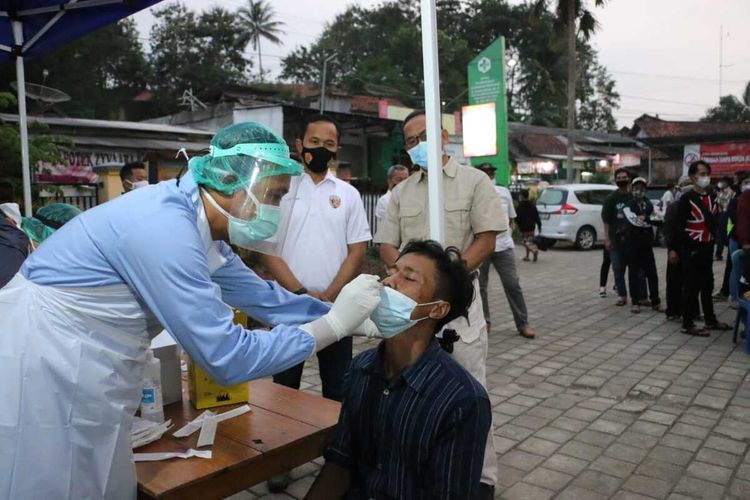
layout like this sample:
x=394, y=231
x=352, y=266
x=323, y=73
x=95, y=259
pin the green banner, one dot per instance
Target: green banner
x=487, y=85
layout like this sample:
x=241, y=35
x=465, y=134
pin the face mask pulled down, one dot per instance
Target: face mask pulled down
x=244, y=233
x=393, y=314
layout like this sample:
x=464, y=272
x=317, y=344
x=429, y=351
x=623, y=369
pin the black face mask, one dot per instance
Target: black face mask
x=622, y=184
x=317, y=159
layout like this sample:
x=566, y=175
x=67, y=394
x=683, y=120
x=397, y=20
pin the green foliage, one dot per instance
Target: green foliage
x=100, y=72
x=597, y=95
x=41, y=148
x=378, y=52
x=258, y=19
x=203, y=52
x=731, y=109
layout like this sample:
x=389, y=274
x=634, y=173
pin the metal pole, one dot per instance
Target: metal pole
x=22, y=124
x=432, y=111
x=323, y=83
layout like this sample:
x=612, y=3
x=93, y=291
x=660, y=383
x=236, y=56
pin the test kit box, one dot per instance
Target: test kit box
x=206, y=393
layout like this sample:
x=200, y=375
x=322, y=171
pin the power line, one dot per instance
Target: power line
x=666, y=101
x=673, y=77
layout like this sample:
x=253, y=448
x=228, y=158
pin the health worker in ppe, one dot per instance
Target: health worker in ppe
x=76, y=320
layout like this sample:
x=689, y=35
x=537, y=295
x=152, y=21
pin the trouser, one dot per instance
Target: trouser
x=640, y=262
x=505, y=264
x=333, y=362
x=604, y=271
x=721, y=234
x=617, y=256
x=728, y=283
x=697, y=281
x=674, y=289
x=471, y=353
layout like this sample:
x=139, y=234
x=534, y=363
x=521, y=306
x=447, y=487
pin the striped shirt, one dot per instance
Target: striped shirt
x=420, y=436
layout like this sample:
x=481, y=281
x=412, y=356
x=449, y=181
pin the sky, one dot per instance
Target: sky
x=663, y=54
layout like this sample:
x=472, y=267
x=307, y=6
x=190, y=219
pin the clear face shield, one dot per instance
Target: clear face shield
x=261, y=198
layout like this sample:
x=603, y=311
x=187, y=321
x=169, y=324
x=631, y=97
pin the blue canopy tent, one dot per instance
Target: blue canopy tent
x=31, y=28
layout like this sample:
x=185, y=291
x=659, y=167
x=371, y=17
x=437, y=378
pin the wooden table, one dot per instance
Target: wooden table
x=286, y=428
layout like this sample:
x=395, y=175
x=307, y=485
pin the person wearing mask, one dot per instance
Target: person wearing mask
x=527, y=220
x=14, y=244
x=474, y=216
x=46, y=221
x=693, y=229
x=85, y=304
x=638, y=246
x=729, y=282
x=615, y=228
x=396, y=174
x=426, y=439
x=503, y=260
x=133, y=175
x=673, y=310
x=668, y=197
x=742, y=227
x=724, y=195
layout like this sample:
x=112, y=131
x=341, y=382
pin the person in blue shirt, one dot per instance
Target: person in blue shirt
x=76, y=321
x=413, y=422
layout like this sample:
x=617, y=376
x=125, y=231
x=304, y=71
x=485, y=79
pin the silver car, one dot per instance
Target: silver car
x=573, y=212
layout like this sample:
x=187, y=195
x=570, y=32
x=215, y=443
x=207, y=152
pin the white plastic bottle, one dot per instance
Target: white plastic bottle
x=152, y=407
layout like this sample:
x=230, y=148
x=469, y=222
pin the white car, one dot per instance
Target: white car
x=573, y=212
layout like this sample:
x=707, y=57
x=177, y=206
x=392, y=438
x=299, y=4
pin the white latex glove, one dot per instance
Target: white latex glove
x=354, y=304
x=368, y=329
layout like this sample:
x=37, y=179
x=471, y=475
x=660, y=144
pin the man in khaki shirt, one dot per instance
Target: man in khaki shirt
x=474, y=215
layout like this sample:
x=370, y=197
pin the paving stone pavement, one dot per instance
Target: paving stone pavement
x=603, y=403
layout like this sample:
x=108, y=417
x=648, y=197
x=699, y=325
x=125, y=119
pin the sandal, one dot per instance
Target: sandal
x=695, y=332
x=621, y=301
x=635, y=309
x=718, y=326
x=525, y=259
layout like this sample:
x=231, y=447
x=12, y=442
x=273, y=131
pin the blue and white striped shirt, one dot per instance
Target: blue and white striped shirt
x=421, y=436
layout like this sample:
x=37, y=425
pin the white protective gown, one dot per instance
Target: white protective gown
x=76, y=321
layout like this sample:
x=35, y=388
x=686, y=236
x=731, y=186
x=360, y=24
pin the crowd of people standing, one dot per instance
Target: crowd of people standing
x=698, y=220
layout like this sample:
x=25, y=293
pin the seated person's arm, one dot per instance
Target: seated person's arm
x=459, y=455
x=332, y=483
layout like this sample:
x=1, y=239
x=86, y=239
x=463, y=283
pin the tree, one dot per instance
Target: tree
x=203, y=53
x=258, y=18
x=731, y=109
x=568, y=12
x=101, y=71
x=597, y=94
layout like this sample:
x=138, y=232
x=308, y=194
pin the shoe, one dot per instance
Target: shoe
x=718, y=326
x=486, y=491
x=621, y=301
x=657, y=307
x=695, y=331
x=674, y=317
x=279, y=483
x=644, y=303
x=602, y=291
x=635, y=309
x=527, y=333
x=525, y=259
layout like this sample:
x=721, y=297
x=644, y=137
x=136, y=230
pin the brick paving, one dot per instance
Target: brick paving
x=604, y=403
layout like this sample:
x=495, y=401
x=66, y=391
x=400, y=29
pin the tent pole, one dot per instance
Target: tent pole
x=433, y=115
x=22, y=124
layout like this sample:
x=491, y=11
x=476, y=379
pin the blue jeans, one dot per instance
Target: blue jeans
x=734, y=276
x=617, y=256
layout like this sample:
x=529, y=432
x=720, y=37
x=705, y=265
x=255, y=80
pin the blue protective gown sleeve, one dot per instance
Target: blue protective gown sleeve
x=173, y=279
x=262, y=300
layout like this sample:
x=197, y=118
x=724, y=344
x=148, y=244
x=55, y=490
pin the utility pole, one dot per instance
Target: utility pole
x=323, y=82
x=571, y=89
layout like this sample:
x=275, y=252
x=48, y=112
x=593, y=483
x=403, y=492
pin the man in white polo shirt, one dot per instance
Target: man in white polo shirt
x=504, y=261
x=325, y=243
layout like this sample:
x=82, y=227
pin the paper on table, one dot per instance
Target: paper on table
x=197, y=422
x=208, y=431
x=153, y=457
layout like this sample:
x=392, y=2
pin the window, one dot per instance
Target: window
x=552, y=196
x=584, y=197
x=598, y=196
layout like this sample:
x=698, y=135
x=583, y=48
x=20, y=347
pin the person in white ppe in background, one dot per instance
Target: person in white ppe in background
x=75, y=322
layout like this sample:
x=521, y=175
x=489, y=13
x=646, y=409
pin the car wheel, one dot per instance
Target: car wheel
x=586, y=238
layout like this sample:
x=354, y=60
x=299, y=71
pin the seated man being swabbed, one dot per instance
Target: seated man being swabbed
x=413, y=422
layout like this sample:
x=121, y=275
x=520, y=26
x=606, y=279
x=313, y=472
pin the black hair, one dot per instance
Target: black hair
x=412, y=115
x=454, y=282
x=314, y=119
x=524, y=194
x=693, y=168
x=742, y=176
x=622, y=170
x=126, y=172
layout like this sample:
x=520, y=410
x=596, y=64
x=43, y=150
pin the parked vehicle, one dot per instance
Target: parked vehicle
x=573, y=212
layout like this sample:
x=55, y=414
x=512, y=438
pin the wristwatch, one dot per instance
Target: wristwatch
x=301, y=291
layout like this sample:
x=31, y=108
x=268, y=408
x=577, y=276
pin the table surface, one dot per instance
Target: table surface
x=286, y=428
